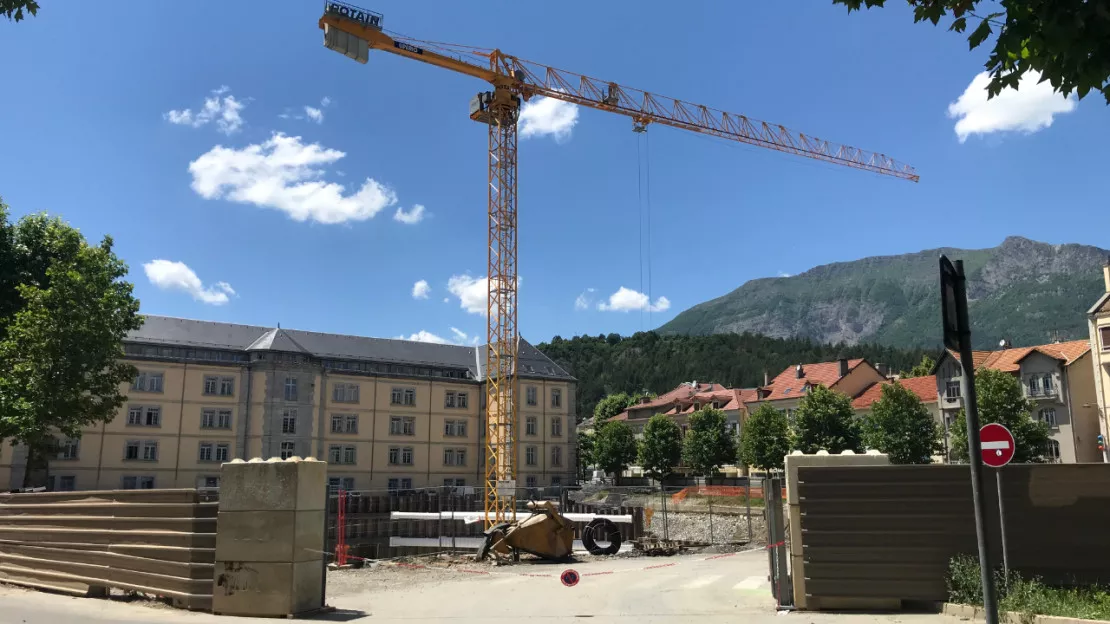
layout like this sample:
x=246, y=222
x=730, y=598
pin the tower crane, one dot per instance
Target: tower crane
x=354, y=31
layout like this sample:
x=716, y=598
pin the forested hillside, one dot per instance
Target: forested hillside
x=649, y=361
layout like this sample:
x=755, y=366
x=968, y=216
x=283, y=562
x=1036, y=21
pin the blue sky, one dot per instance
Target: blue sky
x=103, y=122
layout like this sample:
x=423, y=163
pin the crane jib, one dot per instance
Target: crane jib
x=407, y=48
x=351, y=12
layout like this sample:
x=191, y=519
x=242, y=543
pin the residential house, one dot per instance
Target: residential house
x=850, y=377
x=1098, y=323
x=924, y=387
x=688, y=398
x=1058, y=377
x=385, y=414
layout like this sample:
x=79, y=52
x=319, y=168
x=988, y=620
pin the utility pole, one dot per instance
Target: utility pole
x=957, y=335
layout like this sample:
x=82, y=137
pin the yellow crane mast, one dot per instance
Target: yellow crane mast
x=354, y=31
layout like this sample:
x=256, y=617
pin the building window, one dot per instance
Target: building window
x=1048, y=384
x=148, y=416
x=147, y=382
x=204, y=452
x=290, y=388
x=67, y=483
x=400, y=456
x=454, y=457
x=556, y=481
x=211, y=418
x=455, y=399
x=400, y=484
x=227, y=386
x=288, y=449
x=530, y=481
x=345, y=393
x=1034, y=385
x=289, y=422
x=150, y=451
x=1048, y=416
x=530, y=456
x=530, y=395
x=952, y=389
x=223, y=452
x=208, y=483
x=403, y=396
x=341, y=483
x=69, y=448
x=145, y=450
x=531, y=425
x=454, y=428
x=402, y=425
x=556, y=427
x=1052, y=452
x=1104, y=337
x=344, y=423
x=222, y=386
x=556, y=398
x=341, y=454
x=137, y=483
x=449, y=482
x=556, y=456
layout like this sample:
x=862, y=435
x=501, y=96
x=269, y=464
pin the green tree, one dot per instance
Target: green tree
x=708, y=444
x=825, y=420
x=614, y=447
x=585, y=453
x=13, y=9
x=65, y=311
x=765, y=438
x=1063, y=40
x=1001, y=400
x=924, y=368
x=900, y=426
x=610, y=406
x=661, y=448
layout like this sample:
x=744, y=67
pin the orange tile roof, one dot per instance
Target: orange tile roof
x=787, y=385
x=1009, y=360
x=924, y=387
x=684, y=392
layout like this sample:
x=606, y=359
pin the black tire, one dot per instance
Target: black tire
x=601, y=529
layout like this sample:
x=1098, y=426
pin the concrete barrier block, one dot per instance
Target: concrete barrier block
x=798, y=580
x=795, y=521
x=258, y=486
x=312, y=484
x=256, y=535
x=821, y=458
x=253, y=588
x=308, y=585
x=308, y=540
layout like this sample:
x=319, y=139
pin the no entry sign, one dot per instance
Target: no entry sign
x=998, y=445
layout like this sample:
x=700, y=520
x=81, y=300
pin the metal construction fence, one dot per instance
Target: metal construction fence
x=384, y=524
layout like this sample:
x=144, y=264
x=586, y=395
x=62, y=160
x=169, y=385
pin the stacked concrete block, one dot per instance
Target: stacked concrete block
x=797, y=555
x=270, y=537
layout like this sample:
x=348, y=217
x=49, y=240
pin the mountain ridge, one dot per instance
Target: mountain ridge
x=1022, y=290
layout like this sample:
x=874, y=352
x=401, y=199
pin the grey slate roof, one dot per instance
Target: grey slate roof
x=168, y=330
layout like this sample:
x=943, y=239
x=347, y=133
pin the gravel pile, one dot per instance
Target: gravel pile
x=697, y=527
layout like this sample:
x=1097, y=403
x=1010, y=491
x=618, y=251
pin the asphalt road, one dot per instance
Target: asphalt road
x=723, y=589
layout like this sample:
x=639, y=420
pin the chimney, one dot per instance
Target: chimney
x=883, y=369
x=798, y=372
x=1106, y=274
x=843, y=362
x=766, y=379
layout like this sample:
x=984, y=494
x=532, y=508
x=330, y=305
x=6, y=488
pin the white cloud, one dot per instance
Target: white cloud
x=446, y=300
x=462, y=337
x=584, y=300
x=225, y=111
x=627, y=300
x=324, y=103
x=544, y=116
x=285, y=174
x=411, y=217
x=314, y=114
x=1028, y=109
x=421, y=289
x=472, y=292
x=425, y=336
x=169, y=275
x=783, y=274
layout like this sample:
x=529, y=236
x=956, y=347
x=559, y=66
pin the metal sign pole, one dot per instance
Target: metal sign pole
x=1002, y=528
x=957, y=335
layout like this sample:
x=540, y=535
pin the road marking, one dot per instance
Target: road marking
x=752, y=582
x=702, y=582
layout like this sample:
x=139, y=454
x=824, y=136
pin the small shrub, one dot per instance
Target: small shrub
x=1025, y=596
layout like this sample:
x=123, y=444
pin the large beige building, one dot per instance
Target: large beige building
x=1098, y=321
x=385, y=414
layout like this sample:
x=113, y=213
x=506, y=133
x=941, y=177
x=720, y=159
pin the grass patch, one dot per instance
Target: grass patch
x=1026, y=595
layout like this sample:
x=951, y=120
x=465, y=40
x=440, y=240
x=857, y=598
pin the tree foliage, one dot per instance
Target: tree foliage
x=614, y=447
x=825, y=420
x=708, y=444
x=610, y=406
x=924, y=368
x=660, y=363
x=64, y=311
x=661, y=447
x=901, y=426
x=1063, y=40
x=765, y=438
x=584, y=447
x=1000, y=400
x=13, y=9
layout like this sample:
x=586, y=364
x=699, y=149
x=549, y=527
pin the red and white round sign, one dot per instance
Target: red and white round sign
x=998, y=445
